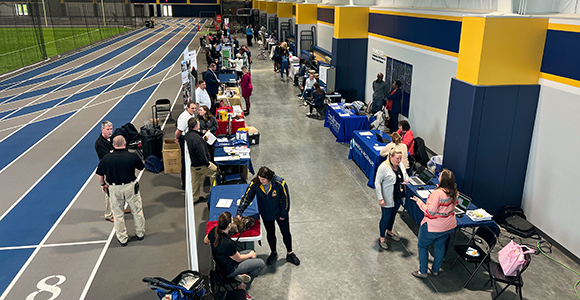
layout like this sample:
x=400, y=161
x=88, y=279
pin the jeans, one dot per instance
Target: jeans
x=284, y=226
x=438, y=239
x=284, y=69
x=388, y=217
x=250, y=266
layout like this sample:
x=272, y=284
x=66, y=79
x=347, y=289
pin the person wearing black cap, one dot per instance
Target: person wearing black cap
x=274, y=206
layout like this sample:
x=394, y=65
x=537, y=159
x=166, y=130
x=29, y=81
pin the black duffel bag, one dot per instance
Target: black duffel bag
x=152, y=142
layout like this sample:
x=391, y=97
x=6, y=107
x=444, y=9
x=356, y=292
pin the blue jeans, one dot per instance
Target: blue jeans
x=250, y=266
x=284, y=69
x=388, y=217
x=438, y=239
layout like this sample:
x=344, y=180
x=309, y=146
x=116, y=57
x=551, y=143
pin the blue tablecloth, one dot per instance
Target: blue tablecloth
x=228, y=78
x=343, y=126
x=463, y=222
x=219, y=151
x=234, y=192
x=362, y=151
x=231, y=143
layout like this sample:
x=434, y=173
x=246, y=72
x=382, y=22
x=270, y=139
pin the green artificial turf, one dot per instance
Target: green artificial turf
x=20, y=47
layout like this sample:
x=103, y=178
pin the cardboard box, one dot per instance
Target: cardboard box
x=171, y=156
x=252, y=130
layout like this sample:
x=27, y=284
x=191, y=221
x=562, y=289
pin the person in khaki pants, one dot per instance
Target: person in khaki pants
x=116, y=174
x=199, y=156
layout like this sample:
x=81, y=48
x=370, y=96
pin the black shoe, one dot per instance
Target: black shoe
x=291, y=258
x=272, y=258
x=140, y=238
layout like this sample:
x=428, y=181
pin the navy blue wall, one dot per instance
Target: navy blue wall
x=441, y=34
x=560, y=56
x=181, y=11
x=325, y=15
x=487, y=140
x=349, y=57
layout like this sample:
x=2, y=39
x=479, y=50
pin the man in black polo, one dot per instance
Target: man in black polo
x=104, y=146
x=199, y=156
x=116, y=174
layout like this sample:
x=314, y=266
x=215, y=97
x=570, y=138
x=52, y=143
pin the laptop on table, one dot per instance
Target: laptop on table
x=423, y=179
x=463, y=202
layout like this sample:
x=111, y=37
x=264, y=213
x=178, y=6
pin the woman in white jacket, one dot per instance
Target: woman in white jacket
x=390, y=186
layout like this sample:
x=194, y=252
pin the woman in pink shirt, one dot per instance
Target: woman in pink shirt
x=438, y=223
x=246, y=85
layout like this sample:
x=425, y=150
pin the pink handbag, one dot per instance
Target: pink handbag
x=511, y=258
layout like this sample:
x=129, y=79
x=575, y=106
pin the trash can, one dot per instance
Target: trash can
x=152, y=142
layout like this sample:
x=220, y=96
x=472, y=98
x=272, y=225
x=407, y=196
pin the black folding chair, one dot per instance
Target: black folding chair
x=221, y=287
x=485, y=234
x=496, y=275
x=162, y=105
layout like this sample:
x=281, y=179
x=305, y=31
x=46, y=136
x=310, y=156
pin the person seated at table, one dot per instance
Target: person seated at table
x=390, y=187
x=299, y=76
x=396, y=143
x=317, y=101
x=243, y=266
x=438, y=223
x=407, y=136
x=307, y=87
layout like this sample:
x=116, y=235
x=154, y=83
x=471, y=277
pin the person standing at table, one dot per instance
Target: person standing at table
x=201, y=95
x=207, y=122
x=396, y=143
x=248, y=54
x=199, y=157
x=284, y=56
x=239, y=63
x=407, y=136
x=243, y=266
x=438, y=223
x=247, y=88
x=212, y=83
x=390, y=186
x=189, y=112
x=274, y=206
x=380, y=90
x=393, y=105
x=116, y=174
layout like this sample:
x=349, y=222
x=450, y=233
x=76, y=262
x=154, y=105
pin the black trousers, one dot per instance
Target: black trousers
x=284, y=226
x=181, y=145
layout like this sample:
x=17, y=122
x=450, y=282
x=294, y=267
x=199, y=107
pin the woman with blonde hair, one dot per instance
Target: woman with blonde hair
x=396, y=142
x=247, y=88
x=390, y=186
x=439, y=222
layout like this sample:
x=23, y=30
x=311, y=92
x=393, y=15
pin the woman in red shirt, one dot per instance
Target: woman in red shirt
x=246, y=85
x=407, y=136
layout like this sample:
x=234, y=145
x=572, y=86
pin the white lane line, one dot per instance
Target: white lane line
x=104, y=49
x=69, y=118
x=33, y=255
x=53, y=245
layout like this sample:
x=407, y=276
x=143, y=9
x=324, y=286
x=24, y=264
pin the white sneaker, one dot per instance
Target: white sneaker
x=245, y=278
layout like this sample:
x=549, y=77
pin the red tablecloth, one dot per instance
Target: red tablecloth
x=252, y=232
x=223, y=126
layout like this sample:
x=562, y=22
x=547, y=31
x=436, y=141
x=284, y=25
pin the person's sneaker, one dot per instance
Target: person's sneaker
x=248, y=297
x=418, y=274
x=394, y=237
x=293, y=259
x=272, y=258
x=433, y=273
x=383, y=245
x=140, y=238
x=245, y=278
x=123, y=244
x=308, y=114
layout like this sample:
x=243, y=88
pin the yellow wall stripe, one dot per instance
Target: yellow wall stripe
x=406, y=14
x=564, y=27
x=560, y=79
x=415, y=45
x=271, y=7
x=306, y=13
x=351, y=22
x=284, y=10
x=325, y=6
x=263, y=6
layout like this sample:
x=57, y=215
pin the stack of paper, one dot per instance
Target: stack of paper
x=224, y=203
x=478, y=215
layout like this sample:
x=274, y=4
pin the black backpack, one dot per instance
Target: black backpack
x=513, y=219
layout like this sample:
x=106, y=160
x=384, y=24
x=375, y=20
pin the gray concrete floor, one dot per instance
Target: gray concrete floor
x=334, y=222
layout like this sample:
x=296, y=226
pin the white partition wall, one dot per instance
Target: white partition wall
x=190, y=234
x=432, y=73
x=324, y=36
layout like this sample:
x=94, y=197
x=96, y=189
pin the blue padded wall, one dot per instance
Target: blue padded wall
x=349, y=58
x=487, y=140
